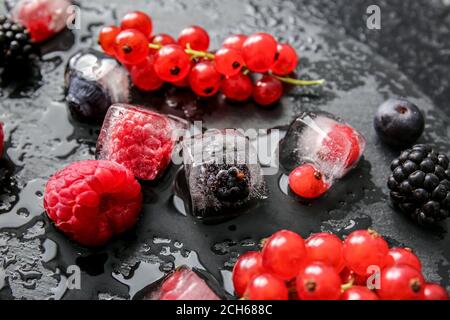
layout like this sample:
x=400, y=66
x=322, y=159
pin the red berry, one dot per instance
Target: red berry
x=342, y=142
x=435, y=292
x=183, y=83
x=131, y=46
x=2, y=137
x=307, y=182
x=318, y=281
x=237, y=88
x=247, y=266
x=365, y=248
x=359, y=293
x=204, y=79
x=235, y=41
x=266, y=287
x=283, y=254
x=267, y=91
x=144, y=76
x=195, y=36
x=172, y=64
x=286, y=60
x=228, y=62
x=327, y=248
x=403, y=256
x=401, y=282
x=93, y=200
x=139, y=21
x=161, y=39
x=107, y=38
x=259, y=52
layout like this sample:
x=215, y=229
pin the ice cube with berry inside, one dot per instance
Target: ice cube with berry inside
x=326, y=141
x=183, y=284
x=42, y=18
x=139, y=139
x=94, y=81
x=223, y=174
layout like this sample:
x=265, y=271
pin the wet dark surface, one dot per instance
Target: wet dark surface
x=42, y=139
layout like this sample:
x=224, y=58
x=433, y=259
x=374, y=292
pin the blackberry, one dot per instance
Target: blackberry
x=420, y=184
x=231, y=183
x=16, y=48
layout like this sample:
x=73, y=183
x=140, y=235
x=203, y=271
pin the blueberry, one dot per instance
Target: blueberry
x=398, y=122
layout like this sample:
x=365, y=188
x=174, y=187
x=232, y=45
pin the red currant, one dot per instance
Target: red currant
x=204, y=79
x=237, y=88
x=401, y=282
x=107, y=38
x=403, y=256
x=365, y=248
x=131, y=46
x=327, y=248
x=235, y=41
x=228, y=62
x=195, y=36
x=161, y=39
x=342, y=142
x=318, y=281
x=259, y=52
x=286, y=60
x=139, y=21
x=183, y=83
x=172, y=64
x=144, y=76
x=307, y=182
x=359, y=293
x=266, y=287
x=283, y=254
x=247, y=266
x=267, y=91
x=435, y=292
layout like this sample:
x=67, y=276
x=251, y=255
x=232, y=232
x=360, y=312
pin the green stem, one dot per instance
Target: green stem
x=299, y=82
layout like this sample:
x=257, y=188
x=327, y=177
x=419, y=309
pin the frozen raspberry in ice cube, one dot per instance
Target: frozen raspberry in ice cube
x=43, y=18
x=184, y=284
x=139, y=139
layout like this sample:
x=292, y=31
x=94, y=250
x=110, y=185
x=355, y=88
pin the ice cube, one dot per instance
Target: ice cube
x=139, y=139
x=94, y=81
x=183, y=284
x=324, y=140
x=42, y=18
x=223, y=174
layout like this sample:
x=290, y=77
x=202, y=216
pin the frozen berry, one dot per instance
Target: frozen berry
x=318, y=281
x=327, y=248
x=403, y=256
x=235, y=41
x=93, y=200
x=232, y=184
x=435, y=292
x=237, y=88
x=359, y=293
x=172, y=63
x=196, y=37
x=131, y=46
x=266, y=287
x=204, y=79
x=139, y=21
x=307, y=182
x=259, y=52
x=342, y=143
x=286, y=60
x=401, y=282
x=363, y=249
x=107, y=38
x=247, y=266
x=283, y=254
x=399, y=122
x=144, y=76
x=267, y=91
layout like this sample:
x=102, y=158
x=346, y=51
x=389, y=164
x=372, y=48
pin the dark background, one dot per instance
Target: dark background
x=408, y=57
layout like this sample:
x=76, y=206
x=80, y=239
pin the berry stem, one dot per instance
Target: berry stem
x=198, y=54
x=299, y=82
x=347, y=285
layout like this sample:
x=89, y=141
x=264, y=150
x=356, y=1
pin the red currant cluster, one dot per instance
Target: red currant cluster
x=185, y=62
x=325, y=268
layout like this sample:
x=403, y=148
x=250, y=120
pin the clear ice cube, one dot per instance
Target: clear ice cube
x=332, y=145
x=94, y=81
x=139, y=139
x=183, y=284
x=223, y=174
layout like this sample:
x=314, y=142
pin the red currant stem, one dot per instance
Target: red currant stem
x=198, y=54
x=155, y=46
x=347, y=285
x=298, y=82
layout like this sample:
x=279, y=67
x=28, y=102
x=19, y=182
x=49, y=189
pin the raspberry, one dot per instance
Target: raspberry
x=342, y=142
x=93, y=200
x=1, y=139
x=138, y=139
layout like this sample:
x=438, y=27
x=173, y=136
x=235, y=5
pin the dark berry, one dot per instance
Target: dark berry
x=232, y=184
x=398, y=122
